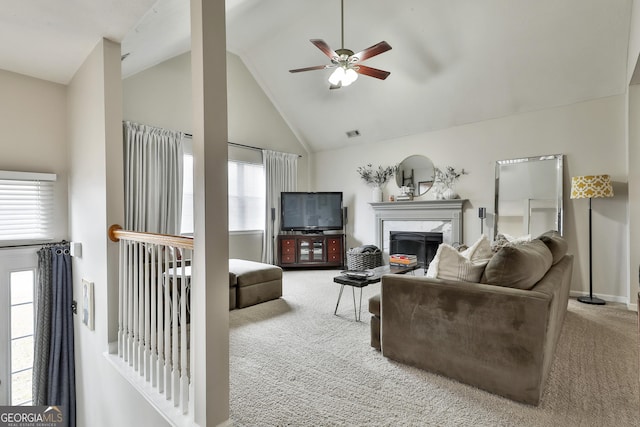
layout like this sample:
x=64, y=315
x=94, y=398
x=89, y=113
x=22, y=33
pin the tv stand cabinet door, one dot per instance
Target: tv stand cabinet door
x=287, y=251
x=334, y=250
x=311, y=250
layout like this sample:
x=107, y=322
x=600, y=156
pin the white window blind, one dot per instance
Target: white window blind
x=247, y=190
x=26, y=206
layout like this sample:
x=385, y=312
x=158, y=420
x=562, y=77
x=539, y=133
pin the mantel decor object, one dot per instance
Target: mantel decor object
x=446, y=180
x=377, y=177
x=589, y=187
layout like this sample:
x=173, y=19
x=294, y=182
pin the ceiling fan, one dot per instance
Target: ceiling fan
x=346, y=63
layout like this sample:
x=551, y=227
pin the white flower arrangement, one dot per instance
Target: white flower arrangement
x=377, y=176
x=448, y=177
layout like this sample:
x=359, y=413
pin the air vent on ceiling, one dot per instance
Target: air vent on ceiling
x=353, y=133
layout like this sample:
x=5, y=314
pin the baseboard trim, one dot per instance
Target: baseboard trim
x=609, y=298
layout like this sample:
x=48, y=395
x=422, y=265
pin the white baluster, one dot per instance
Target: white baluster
x=161, y=315
x=121, y=278
x=130, y=303
x=136, y=307
x=167, y=326
x=175, y=325
x=185, y=301
x=147, y=315
x=141, y=291
x=155, y=282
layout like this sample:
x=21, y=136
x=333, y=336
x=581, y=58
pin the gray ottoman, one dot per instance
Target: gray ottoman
x=256, y=282
x=233, y=286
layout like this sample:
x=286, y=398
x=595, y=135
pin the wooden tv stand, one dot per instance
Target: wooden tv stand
x=310, y=250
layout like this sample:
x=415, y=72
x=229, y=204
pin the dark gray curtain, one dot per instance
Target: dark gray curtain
x=54, y=362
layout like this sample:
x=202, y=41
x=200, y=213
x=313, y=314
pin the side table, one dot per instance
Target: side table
x=375, y=277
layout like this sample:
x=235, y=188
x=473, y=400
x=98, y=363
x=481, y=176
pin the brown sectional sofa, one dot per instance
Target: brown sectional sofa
x=490, y=335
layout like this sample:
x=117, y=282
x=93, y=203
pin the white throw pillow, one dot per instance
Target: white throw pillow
x=519, y=239
x=480, y=250
x=469, y=265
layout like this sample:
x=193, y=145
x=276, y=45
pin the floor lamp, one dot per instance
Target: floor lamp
x=589, y=187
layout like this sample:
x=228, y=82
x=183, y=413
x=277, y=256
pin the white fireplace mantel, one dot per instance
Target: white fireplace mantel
x=447, y=211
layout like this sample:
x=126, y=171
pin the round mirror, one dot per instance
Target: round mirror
x=416, y=173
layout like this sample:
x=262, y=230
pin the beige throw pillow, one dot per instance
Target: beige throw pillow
x=469, y=265
x=519, y=266
x=480, y=250
x=556, y=244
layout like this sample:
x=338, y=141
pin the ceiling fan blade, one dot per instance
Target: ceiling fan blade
x=371, y=72
x=369, y=52
x=324, y=47
x=316, y=67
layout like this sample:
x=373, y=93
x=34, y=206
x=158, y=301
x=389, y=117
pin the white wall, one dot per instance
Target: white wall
x=633, y=129
x=590, y=134
x=634, y=41
x=210, y=279
x=161, y=96
x=34, y=134
x=104, y=398
x=634, y=190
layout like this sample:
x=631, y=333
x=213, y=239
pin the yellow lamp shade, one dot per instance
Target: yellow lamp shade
x=591, y=186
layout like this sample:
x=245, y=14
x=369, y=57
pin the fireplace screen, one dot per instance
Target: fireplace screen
x=422, y=244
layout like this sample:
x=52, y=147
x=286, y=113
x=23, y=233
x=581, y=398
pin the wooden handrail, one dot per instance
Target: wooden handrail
x=116, y=233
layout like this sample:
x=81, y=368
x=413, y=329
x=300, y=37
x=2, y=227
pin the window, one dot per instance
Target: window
x=21, y=287
x=247, y=190
x=26, y=206
x=246, y=196
x=18, y=271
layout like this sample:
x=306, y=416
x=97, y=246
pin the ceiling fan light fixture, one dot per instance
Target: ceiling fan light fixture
x=343, y=76
x=337, y=76
x=350, y=76
x=346, y=62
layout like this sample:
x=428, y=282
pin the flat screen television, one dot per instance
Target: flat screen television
x=311, y=212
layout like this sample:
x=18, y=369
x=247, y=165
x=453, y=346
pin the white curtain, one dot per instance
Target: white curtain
x=153, y=167
x=281, y=172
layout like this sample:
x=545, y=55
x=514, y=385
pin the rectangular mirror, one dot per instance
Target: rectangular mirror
x=529, y=195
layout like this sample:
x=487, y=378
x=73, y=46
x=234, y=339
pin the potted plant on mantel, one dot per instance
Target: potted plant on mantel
x=377, y=177
x=446, y=180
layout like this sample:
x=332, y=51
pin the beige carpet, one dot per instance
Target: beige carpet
x=293, y=363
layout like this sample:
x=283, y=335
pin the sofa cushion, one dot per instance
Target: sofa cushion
x=450, y=264
x=250, y=272
x=374, y=305
x=556, y=244
x=518, y=266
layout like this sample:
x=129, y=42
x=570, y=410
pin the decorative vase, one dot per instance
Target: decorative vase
x=449, y=193
x=437, y=192
x=377, y=194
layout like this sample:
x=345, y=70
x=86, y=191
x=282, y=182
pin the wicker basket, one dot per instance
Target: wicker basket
x=363, y=261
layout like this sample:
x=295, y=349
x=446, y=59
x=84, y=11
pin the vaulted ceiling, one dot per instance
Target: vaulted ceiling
x=452, y=62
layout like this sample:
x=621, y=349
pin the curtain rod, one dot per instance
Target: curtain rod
x=235, y=144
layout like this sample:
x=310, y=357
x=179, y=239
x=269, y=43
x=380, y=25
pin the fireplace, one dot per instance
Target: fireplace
x=441, y=216
x=422, y=244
